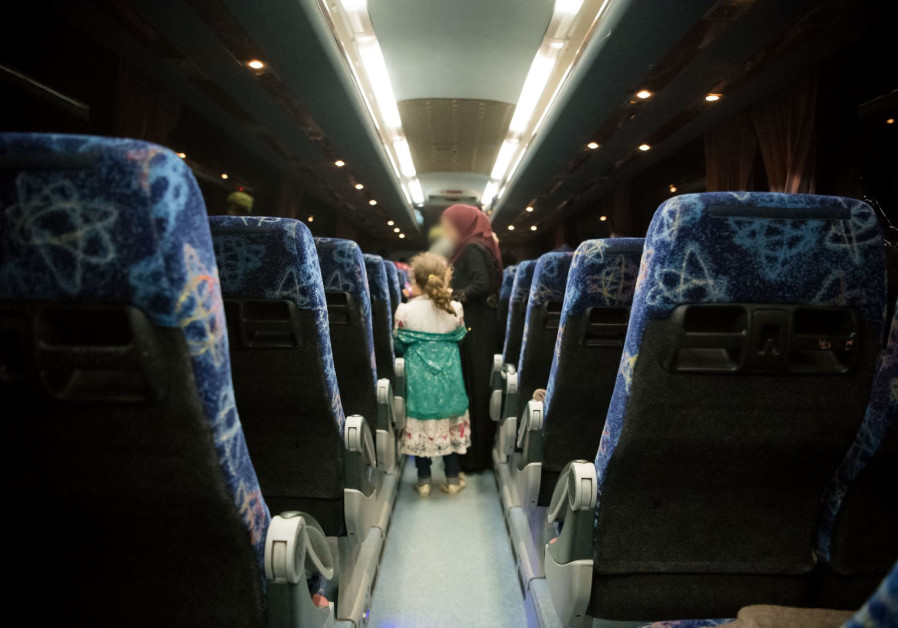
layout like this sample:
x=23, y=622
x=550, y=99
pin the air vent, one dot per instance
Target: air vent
x=728, y=10
x=442, y=200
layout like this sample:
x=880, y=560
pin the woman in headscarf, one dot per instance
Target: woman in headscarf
x=476, y=276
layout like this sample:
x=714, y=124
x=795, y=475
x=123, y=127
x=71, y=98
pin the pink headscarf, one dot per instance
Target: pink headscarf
x=473, y=228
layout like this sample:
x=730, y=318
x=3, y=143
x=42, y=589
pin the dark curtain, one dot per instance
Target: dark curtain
x=730, y=153
x=785, y=127
x=143, y=110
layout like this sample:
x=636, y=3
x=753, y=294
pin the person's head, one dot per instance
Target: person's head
x=430, y=277
x=462, y=222
x=239, y=204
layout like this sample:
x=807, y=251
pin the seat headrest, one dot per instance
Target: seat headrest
x=268, y=258
x=102, y=220
x=507, y=282
x=343, y=267
x=550, y=277
x=761, y=247
x=603, y=274
x=523, y=277
x=377, y=277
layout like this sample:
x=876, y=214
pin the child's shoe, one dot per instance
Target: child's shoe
x=452, y=486
x=423, y=488
x=461, y=479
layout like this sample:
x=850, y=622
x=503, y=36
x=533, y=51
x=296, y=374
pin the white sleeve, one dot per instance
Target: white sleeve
x=459, y=311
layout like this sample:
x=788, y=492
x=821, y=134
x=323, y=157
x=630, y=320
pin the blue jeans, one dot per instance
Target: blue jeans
x=450, y=462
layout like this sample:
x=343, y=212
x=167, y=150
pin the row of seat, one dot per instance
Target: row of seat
x=171, y=380
x=741, y=414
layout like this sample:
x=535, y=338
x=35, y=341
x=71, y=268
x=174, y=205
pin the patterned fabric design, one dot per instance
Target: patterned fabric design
x=549, y=282
x=695, y=253
x=122, y=221
x=507, y=282
x=343, y=270
x=881, y=609
x=377, y=277
x=603, y=274
x=689, y=623
x=436, y=437
x=395, y=286
x=882, y=412
x=435, y=387
x=520, y=292
x=275, y=258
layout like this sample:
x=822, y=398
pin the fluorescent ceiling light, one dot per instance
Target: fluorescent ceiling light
x=489, y=192
x=503, y=159
x=404, y=155
x=567, y=7
x=379, y=78
x=533, y=88
x=354, y=6
x=414, y=187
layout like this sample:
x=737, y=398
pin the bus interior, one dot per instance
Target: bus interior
x=681, y=376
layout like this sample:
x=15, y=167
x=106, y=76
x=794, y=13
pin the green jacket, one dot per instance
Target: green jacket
x=435, y=386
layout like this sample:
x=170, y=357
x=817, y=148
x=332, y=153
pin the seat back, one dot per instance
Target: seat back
x=116, y=391
x=541, y=323
x=349, y=312
x=591, y=336
x=504, y=297
x=749, y=356
x=395, y=288
x=381, y=315
x=880, y=608
x=517, y=311
x=857, y=539
x=282, y=365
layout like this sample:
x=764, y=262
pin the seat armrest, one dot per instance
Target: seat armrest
x=385, y=406
x=296, y=549
x=400, y=392
x=530, y=434
x=385, y=439
x=573, y=505
x=360, y=459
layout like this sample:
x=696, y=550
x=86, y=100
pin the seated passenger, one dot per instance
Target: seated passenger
x=428, y=330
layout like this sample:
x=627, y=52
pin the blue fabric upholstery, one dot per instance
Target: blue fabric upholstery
x=123, y=222
x=520, y=292
x=602, y=274
x=377, y=277
x=695, y=253
x=880, y=417
x=507, y=282
x=343, y=270
x=275, y=258
x=881, y=609
x=689, y=623
x=395, y=287
x=548, y=284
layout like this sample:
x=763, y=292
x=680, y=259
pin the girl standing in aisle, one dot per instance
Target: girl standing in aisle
x=428, y=330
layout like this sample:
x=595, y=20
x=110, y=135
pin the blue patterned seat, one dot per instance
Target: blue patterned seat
x=395, y=287
x=504, y=298
x=381, y=315
x=587, y=353
x=119, y=409
x=349, y=308
x=517, y=311
x=751, y=348
x=282, y=363
x=856, y=539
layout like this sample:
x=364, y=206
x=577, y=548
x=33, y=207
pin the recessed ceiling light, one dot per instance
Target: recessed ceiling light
x=372, y=202
x=359, y=186
x=529, y=208
x=890, y=121
x=339, y=163
x=224, y=175
x=255, y=64
x=532, y=227
x=182, y=155
x=396, y=230
x=712, y=97
x=643, y=94
x=592, y=145
x=644, y=147
x=311, y=218
x=511, y=227
x=603, y=218
x=673, y=188
x=390, y=223
x=401, y=236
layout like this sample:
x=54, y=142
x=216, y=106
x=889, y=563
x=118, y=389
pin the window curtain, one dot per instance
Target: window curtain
x=730, y=153
x=785, y=127
x=143, y=110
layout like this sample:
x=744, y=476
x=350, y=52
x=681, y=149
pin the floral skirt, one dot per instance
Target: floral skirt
x=436, y=437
